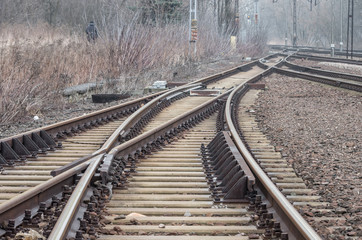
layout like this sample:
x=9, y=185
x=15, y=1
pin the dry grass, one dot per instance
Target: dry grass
x=37, y=64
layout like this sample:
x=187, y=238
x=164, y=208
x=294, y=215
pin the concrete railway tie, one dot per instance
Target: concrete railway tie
x=19, y=178
x=276, y=167
x=168, y=198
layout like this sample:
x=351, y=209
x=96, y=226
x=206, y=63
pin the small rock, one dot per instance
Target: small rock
x=133, y=215
x=340, y=210
x=120, y=217
x=187, y=214
x=353, y=233
x=253, y=236
x=309, y=214
x=161, y=225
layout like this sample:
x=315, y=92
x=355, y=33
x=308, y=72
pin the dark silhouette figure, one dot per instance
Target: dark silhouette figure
x=92, y=33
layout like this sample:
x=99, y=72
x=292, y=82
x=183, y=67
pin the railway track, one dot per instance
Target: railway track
x=135, y=210
x=318, y=51
x=20, y=177
x=336, y=79
x=21, y=161
x=154, y=179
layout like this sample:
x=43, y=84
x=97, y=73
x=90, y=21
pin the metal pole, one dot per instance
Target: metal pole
x=286, y=24
x=352, y=29
x=349, y=3
x=193, y=27
x=195, y=47
x=341, y=42
x=256, y=13
x=294, y=23
x=190, y=19
x=235, y=27
x=332, y=22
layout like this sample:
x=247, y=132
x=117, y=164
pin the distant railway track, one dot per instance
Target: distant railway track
x=158, y=173
x=326, y=59
x=316, y=50
x=336, y=79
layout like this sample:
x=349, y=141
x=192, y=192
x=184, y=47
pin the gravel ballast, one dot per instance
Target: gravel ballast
x=319, y=130
x=331, y=66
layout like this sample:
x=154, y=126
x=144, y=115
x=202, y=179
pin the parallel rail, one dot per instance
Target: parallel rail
x=140, y=145
x=326, y=59
x=316, y=50
x=31, y=199
x=296, y=224
x=127, y=149
x=336, y=79
x=106, y=167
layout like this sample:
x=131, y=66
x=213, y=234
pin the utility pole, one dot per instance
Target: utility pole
x=332, y=21
x=236, y=27
x=193, y=27
x=286, y=24
x=294, y=23
x=256, y=12
x=341, y=42
x=350, y=27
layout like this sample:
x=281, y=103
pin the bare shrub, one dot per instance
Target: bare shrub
x=37, y=63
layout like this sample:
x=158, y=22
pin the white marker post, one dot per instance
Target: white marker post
x=332, y=49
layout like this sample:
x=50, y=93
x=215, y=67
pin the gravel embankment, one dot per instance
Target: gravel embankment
x=319, y=129
x=331, y=66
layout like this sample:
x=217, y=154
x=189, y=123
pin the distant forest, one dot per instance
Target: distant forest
x=318, y=23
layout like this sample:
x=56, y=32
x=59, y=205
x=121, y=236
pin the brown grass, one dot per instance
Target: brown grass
x=37, y=64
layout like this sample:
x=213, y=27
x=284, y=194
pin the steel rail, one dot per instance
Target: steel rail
x=65, y=220
x=128, y=123
x=314, y=50
x=15, y=207
x=119, y=131
x=326, y=77
x=53, y=128
x=74, y=122
x=33, y=197
x=327, y=59
x=297, y=221
x=326, y=73
x=60, y=229
x=351, y=85
x=71, y=207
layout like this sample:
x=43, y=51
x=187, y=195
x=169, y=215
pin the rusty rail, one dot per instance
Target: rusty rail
x=30, y=199
x=318, y=50
x=336, y=79
x=44, y=139
x=125, y=127
x=131, y=121
x=129, y=150
x=15, y=208
x=113, y=163
x=327, y=59
x=325, y=73
x=295, y=222
x=355, y=86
